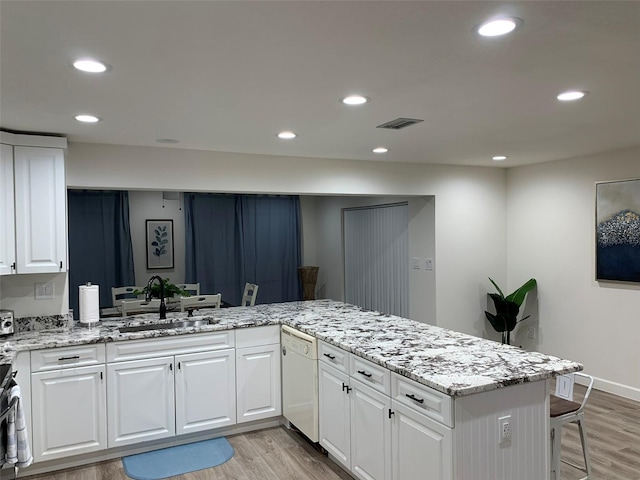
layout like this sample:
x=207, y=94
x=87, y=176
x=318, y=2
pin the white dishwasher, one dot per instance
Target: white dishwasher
x=300, y=381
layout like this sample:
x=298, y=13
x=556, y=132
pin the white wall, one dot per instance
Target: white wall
x=145, y=205
x=329, y=248
x=470, y=213
x=551, y=236
x=17, y=293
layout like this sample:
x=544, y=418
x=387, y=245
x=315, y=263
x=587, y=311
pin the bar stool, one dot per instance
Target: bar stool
x=564, y=410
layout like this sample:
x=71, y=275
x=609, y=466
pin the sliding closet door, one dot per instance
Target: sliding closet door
x=376, y=258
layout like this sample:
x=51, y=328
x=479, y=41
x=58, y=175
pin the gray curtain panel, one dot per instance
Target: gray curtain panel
x=233, y=239
x=100, y=248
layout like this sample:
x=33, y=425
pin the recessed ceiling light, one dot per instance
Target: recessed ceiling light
x=571, y=95
x=287, y=135
x=167, y=140
x=355, y=100
x=380, y=150
x=87, y=118
x=499, y=158
x=89, y=65
x=499, y=26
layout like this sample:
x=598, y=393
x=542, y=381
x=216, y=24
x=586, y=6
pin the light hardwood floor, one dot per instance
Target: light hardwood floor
x=613, y=432
x=271, y=454
x=613, y=436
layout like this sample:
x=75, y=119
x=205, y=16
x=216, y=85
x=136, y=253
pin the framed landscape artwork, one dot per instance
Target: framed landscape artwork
x=159, y=244
x=618, y=231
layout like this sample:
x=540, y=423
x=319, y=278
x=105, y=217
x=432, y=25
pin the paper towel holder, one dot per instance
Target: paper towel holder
x=84, y=323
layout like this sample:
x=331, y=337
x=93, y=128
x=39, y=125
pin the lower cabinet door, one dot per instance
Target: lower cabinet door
x=141, y=401
x=335, y=414
x=69, y=412
x=258, y=382
x=205, y=390
x=370, y=433
x=422, y=447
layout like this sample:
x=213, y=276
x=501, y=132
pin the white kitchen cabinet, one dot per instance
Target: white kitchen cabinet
x=69, y=412
x=370, y=433
x=335, y=413
x=258, y=379
x=40, y=205
x=33, y=205
x=355, y=425
x=140, y=401
x=170, y=386
x=7, y=212
x=258, y=382
x=205, y=386
x=382, y=426
x=420, y=445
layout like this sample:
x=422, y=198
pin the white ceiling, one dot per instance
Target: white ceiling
x=227, y=76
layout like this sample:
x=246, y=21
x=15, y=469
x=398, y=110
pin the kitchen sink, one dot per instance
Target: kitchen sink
x=168, y=326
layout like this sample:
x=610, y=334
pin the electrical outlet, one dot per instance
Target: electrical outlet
x=504, y=429
x=44, y=291
x=416, y=263
x=531, y=333
x=428, y=263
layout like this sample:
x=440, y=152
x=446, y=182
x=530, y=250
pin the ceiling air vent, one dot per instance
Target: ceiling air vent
x=399, y=123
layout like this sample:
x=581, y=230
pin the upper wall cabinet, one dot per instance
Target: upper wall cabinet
x=34, y=236
x=7, y=213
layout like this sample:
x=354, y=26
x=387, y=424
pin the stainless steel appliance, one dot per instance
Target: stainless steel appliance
x=6, y=322
x=300, y=381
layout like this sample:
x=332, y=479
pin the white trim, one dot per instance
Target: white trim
x=24, y=140
x=615, y=388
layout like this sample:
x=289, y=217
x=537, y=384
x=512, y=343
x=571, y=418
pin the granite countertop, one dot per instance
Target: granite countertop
x=450, y=362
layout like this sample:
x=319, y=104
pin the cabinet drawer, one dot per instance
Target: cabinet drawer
x=254, y=336
x=423, y=399
x=67, y=357
x=160, y=347
x=370, y=374
x=334, y=356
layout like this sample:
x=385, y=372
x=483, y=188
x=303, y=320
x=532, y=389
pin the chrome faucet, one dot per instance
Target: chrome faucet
x=163, y=307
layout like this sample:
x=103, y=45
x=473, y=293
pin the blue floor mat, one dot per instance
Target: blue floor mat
x=172, y=461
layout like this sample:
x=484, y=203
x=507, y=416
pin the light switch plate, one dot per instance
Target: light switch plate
x=428, y=263
x=44, y=291
x=415, y=262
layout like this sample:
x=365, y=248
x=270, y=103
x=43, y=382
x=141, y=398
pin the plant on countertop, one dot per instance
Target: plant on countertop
x=170, y=290
x=507, y=308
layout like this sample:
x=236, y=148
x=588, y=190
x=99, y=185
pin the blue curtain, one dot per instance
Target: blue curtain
x=212, y=244
x=100, y=248
x=233, y=239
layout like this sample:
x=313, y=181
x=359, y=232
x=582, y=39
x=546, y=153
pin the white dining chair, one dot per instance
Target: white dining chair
x=563, y=409
x=191, y=288
x=130, y=307
x=249, y=295
x=119, y=294
x=200, y=301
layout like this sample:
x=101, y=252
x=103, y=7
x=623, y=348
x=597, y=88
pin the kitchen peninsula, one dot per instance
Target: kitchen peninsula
x=476, y=380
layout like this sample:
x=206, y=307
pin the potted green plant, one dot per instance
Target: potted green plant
x=170, y=290
x=507, y=308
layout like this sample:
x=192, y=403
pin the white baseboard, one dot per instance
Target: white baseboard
x=620, y=389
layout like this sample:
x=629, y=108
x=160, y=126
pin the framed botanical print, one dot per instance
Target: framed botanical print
x=159, y=244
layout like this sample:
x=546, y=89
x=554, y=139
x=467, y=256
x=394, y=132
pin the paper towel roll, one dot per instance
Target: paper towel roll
x=89, y=296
